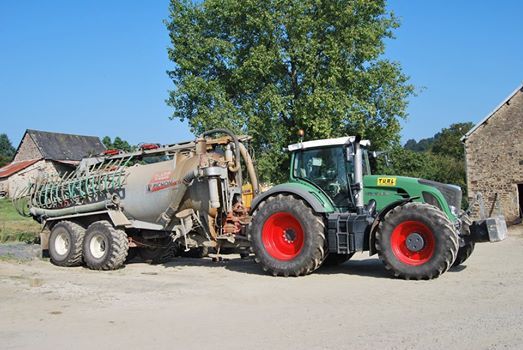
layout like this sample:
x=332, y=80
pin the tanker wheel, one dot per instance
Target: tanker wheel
x=416, y=241
x=334, y=259
x=464, y=253
x=287, y=237
x=105, y=248
x=65, y=244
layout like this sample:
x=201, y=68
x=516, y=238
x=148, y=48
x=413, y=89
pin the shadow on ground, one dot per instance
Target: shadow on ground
x=366, y=268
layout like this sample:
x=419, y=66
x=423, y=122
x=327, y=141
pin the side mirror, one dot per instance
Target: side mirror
x=384, y=154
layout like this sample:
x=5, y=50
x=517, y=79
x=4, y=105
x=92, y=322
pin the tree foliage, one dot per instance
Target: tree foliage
x=7, y=151
x=269, y=68
x=118, y=143
x=445, y=142
x=448, y=141
x=419, y=146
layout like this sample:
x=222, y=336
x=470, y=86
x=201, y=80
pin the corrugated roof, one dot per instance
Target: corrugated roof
x=484, y=120
x=15, y=167
x=57, y=146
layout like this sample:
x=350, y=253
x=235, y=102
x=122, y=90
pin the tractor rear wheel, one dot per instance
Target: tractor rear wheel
x=65, y=244
x=105, y=247
x=287, y=237
x=416, y=241
x=464, y=253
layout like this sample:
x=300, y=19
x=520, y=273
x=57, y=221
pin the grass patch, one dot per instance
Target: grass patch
x=14, y=227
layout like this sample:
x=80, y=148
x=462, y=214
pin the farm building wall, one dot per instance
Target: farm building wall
x=4, y=185
x=494, y=154
x=43, y=168
x=27, y=150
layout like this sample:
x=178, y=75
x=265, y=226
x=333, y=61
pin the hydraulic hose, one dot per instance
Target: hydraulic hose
x=166, y=217
x=77, y=209
x=250, y=168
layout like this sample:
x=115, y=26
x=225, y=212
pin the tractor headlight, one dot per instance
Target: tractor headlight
x=454, y=210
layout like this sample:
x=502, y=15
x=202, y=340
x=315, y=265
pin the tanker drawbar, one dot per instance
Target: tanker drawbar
x=186, y=197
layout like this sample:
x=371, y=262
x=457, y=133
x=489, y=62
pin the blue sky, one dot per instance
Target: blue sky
x=98, y=67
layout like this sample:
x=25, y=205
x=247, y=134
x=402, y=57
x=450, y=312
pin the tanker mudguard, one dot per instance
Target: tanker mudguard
x=296, y=189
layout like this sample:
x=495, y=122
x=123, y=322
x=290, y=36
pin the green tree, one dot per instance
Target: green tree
x=7, y=151
x=426, y=165
x=269, y=68
x=448, y=140
x=421, y=146
x=118, y=143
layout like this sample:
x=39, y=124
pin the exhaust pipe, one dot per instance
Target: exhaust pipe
x=358, y=174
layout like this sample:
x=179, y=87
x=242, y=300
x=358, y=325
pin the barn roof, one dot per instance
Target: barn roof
x=485, y=120
x=15, y=167
x=57, y=146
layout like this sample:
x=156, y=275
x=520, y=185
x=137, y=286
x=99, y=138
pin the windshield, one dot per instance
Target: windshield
x=326, y=168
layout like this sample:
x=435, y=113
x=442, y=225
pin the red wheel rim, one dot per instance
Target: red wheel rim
x=282, y=236
x=401, y=249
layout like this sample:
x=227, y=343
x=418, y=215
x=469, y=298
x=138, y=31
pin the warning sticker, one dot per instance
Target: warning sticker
x=386, y=181
x=161, y=181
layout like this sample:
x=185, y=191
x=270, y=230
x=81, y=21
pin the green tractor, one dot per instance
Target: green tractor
x=332, y=207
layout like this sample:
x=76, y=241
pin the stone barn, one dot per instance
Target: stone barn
x=494, y=156
x=43, y=153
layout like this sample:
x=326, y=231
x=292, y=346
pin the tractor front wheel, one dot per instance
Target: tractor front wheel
x=287, y=237
x=416, y=241
x=464, y=253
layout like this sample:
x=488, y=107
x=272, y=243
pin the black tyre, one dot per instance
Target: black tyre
x=157, y=255
x=105, y=248
x=287, y=237
x=197, y=253
x=416, y=241
x=65, y=244
x=334, y=259
x=464, y=253
x=131, y=254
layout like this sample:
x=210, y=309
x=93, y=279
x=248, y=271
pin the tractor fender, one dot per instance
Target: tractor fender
x=380, y=217
x=300, y=191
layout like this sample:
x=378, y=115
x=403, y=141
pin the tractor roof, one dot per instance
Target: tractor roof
x=326, y=143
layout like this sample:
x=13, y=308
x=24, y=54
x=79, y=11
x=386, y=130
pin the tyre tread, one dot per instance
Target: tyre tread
x=438, y=218
x=316, y=258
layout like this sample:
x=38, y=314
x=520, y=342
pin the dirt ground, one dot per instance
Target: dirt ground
x=199, y=304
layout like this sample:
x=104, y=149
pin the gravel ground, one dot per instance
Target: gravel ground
x=196, y=304
x=19, y=251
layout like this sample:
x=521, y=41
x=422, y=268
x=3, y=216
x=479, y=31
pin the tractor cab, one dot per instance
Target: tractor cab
x=330, y=166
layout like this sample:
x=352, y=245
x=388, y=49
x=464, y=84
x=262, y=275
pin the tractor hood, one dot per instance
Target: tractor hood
x=386, y=189
x=452, y=193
